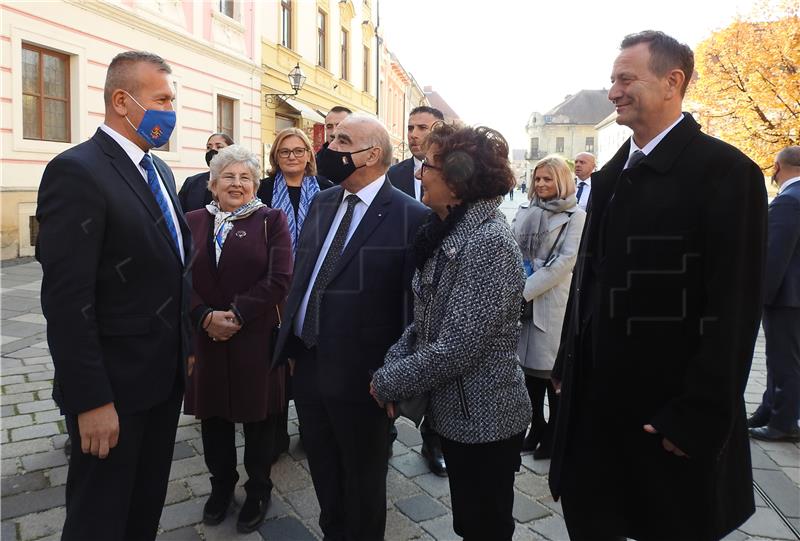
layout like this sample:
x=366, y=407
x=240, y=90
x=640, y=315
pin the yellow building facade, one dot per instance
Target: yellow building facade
x=334, y=43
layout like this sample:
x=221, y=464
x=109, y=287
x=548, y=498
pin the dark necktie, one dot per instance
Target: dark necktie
x=155, y=187
x=581, y=186
x=635, y=158
x=311, y=321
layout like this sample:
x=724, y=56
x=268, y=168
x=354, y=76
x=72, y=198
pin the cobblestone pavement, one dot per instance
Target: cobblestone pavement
x=34, y=468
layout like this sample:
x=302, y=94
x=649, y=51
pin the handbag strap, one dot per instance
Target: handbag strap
x=553, y=247
x=266, y=241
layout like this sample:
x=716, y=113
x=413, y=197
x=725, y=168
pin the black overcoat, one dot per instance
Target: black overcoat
x=660, y=328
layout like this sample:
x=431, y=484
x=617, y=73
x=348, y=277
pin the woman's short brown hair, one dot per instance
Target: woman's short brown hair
x=474, y=160
x=311, y=165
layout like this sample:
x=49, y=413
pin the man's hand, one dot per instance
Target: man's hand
x=190, y=365
x=99, y=430
x=556, y=384
x=668, y=445
x=221, y=326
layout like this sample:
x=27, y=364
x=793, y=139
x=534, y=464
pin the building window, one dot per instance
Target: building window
x=534, y=146
x=45, y=94
x=283, y=122
x=226, y=8
x=590, y=144
x=321, y=26
x=345, y=71
x=560, y=144
x=366, y=69
x=225, y=116
x=286, y=23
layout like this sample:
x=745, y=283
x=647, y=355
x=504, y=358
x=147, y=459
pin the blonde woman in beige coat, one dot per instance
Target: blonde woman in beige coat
x=548, y=230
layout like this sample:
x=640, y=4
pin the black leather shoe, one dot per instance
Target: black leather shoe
x=767, y=433
x=542, y=452
x=433, y=454
x=216, y=506
x=755, y=421
x=252, y=514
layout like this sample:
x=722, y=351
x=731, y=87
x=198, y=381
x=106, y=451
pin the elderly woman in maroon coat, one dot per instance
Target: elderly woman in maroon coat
x=240, y=274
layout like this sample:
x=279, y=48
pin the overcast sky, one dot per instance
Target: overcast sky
x=497, y=61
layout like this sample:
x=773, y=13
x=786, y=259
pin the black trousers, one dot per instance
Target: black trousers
x=121, y=497
x=537, y=387
x=780, y=405
x=219, y=447
x=482, y=487
x=347, y=444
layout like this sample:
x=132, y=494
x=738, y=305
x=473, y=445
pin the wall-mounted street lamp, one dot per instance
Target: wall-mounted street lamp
x=296, y=80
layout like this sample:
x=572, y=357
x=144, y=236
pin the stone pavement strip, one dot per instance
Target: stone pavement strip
x=34, y=468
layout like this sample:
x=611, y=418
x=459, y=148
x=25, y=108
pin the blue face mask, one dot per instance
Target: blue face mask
x=156, y=126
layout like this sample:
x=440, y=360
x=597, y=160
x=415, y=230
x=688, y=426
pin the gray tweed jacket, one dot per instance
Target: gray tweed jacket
x=462, y=346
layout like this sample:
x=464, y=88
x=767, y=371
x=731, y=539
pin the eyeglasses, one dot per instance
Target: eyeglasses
x=298, y=152
x=426, y=165
x=230, y=178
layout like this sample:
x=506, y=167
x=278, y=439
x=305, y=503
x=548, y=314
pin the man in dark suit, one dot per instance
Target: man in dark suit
x=776, y=417
x=332, y=119
x=348, y=303
x=403, y=177
x=194, y=193
x=113, y=246
x=651, y=438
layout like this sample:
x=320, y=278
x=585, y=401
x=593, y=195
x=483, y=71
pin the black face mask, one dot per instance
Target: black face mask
x=210, y=153
x=337, y=166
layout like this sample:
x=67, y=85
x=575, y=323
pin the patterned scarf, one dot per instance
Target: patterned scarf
x=280, y=200
x=532, y=236
x=223, y=221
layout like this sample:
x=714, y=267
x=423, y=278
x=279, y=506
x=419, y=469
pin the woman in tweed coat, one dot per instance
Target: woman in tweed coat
x=461, y=348
x=548, y=229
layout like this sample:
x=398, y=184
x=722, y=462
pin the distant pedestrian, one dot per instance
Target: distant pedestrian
x=584, y=167
x=548, y=230
x=776, y=417
x=524, y=186
x=651, y=437
x=511, y=193
x=461, y=348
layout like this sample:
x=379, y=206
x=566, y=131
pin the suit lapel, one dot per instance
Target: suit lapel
x=375, y=214
x=315, y=230
x=133, y=178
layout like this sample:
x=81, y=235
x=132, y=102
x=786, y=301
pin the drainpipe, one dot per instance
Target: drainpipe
x=378, y=42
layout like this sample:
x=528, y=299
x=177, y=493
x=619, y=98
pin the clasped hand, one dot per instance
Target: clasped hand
x=221, y=325
x=388, y=406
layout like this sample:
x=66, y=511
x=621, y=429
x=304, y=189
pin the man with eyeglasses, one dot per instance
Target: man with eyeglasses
x=402, y=176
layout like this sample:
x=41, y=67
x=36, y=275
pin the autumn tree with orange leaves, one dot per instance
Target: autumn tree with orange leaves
x=748, y=82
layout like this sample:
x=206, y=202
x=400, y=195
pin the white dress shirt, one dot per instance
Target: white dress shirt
x=366, y=195
x=648, y=148
x=787, y=184
x=136, y=154
x=587, y=189
x=417, y=182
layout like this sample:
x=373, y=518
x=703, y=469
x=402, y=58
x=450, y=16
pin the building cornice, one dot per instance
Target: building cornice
x=182, y=38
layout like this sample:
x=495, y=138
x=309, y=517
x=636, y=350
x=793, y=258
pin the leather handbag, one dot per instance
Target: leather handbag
x=527, y=306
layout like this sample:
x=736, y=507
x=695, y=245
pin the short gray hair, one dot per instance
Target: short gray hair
x=377, y=136
x=232, y=155
x=789, y=156
x=120, y=75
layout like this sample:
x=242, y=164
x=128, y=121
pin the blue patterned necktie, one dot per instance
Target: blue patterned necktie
x=155, y=187
x=311, y=321
x=581, y=186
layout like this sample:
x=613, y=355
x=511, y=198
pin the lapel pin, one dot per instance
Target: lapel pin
x=241, y=234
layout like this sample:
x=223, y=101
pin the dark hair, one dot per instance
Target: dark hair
x=225, y=137
x=340, y=109
x=474, y=161
x=425, y=109
x=119, y=74
x=666, y=53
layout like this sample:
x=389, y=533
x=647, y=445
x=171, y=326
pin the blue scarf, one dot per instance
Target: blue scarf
x=280, y=200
